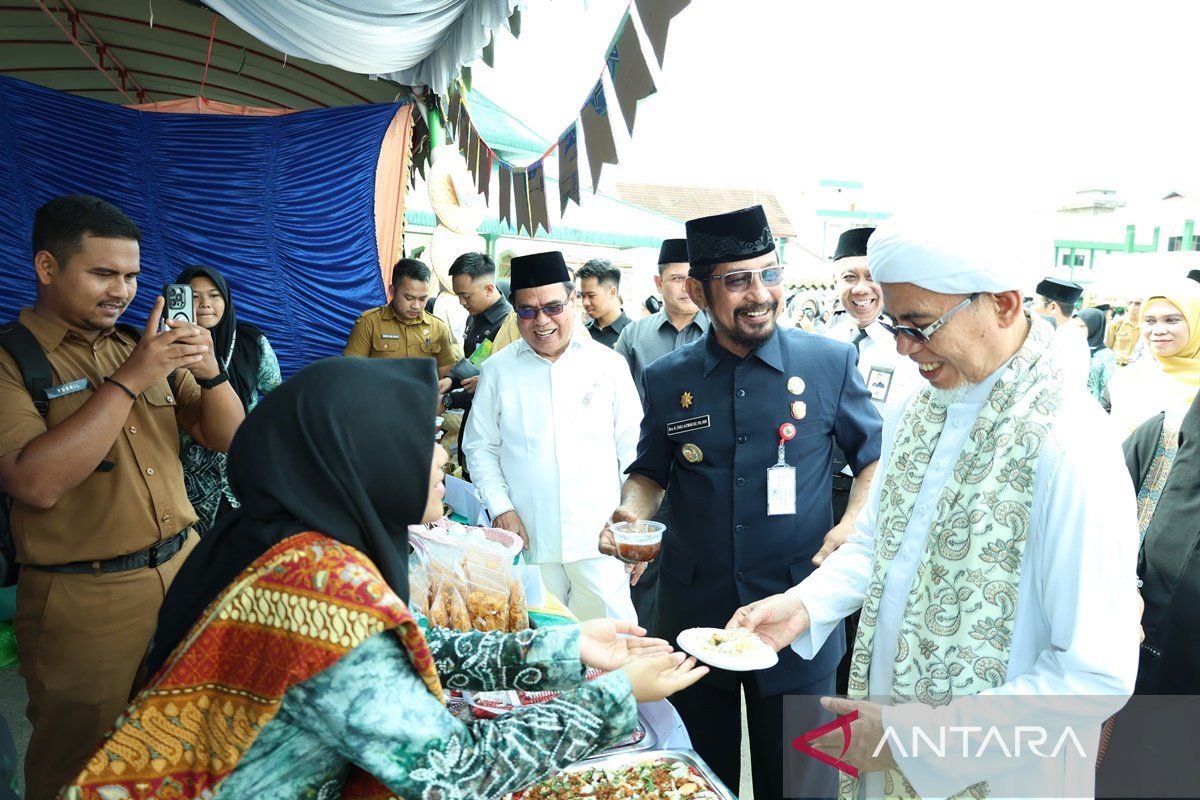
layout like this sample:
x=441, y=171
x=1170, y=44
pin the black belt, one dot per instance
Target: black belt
x=842, y=483
x=151, y=557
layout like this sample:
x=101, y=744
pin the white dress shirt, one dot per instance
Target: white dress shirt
x=890, y=377
x=552, y=441
x=1071, y=349
x=1075, y=631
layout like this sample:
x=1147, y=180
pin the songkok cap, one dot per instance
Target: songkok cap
x=852, y=243
x=1103, y=307
x=1194, y=275
x=733, y=236
x=1065, y=293
x=943, y=256
x=539, y=269
x=673, y=251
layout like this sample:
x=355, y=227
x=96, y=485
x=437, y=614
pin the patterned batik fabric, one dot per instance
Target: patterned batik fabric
x=1156, y=478
x=956, y=631
x=293, y=613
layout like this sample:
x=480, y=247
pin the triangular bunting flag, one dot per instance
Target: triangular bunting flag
x=539, y=215
x=597, y=133
x=568, y=168
x=630, y=72
x=504, y=173
x=521, y=197
x=471, y=154
x=484, y=176
x=460, y=129
x=656, y=19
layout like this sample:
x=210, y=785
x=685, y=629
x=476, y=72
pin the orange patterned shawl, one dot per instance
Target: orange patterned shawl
x=298, y=609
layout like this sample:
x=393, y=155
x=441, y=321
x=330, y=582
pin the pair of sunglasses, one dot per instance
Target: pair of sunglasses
x=922, y=335
x=551, y=310
x=739, y=280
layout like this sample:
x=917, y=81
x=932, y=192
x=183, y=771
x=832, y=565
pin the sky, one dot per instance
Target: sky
x=925, y=103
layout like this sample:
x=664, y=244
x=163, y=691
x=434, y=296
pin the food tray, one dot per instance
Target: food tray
x=689, y=757
x=634, y=743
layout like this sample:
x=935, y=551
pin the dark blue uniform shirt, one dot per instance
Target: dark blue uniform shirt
x=721, y=550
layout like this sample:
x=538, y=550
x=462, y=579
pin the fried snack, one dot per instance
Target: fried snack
x=439, y=610
x=488, y=610
x=518, y=613
x=459, y=620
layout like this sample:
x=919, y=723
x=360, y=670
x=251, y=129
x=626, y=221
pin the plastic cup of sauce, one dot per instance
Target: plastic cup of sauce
x=638, y=541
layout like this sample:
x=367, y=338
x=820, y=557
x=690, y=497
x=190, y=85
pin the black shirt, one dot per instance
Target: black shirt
x=608, y=336
x=481, y=327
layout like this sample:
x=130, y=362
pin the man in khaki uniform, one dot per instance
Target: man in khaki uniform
x=100, y=517
x=403, y=328
x=1125, y=333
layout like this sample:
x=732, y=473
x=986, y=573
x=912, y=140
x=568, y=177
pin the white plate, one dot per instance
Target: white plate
x=695, y=641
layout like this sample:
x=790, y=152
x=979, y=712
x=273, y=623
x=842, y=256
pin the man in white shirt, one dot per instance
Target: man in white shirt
x=1056, y=301
x=553, y=427
x=996, y=553
x=890, y=377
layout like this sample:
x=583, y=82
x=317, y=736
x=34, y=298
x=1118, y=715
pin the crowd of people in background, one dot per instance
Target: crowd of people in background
x=780, y=436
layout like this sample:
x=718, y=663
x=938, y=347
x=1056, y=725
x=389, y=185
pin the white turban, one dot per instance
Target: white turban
x=945, y=255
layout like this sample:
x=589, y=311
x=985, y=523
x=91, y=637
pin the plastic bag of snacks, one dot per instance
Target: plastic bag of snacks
x=418, y=584
x=471, y=582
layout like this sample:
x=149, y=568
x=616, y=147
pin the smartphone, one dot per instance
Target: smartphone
x=179, y=303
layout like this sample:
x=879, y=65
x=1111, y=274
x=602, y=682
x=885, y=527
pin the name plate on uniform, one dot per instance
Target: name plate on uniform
x=55, y=392
x=389, y=336
x=686, y=425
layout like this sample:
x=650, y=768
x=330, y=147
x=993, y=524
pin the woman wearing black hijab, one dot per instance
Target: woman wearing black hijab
x=287, y=663
x=1151, y=752
x=244, y=352
x=1104, y=361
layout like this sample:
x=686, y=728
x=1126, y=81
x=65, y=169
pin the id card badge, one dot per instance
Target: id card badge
x=781, y=478
x=879, y=383
x=781, y=490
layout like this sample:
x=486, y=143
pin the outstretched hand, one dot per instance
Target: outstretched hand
x=609, y=644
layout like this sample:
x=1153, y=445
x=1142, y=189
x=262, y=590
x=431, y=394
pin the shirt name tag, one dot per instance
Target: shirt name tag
x=55, y=392
x=685, y=425
x=389, y=335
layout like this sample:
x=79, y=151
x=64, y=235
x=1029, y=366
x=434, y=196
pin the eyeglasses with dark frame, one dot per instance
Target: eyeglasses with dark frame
x=737, y=281
x=550, y=309
x=923, y=335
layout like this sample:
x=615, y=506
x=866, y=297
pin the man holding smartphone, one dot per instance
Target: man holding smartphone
x=100, y=516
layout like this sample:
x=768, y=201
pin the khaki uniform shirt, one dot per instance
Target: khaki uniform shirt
x=1125, y=339
x=379, y=333
x=142, y=500
x=508, y=333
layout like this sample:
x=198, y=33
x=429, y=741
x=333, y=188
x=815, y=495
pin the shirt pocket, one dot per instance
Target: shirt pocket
x=381, y=345
x=161, y=402
x=61, y=408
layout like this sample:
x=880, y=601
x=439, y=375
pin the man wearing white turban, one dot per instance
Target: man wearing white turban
x=996, y=553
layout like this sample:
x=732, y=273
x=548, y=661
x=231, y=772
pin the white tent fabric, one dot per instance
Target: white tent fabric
x=413, y=42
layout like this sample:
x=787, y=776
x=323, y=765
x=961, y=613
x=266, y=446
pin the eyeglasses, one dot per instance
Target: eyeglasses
x=740, y=280
x=922, y=335
x=551, y=310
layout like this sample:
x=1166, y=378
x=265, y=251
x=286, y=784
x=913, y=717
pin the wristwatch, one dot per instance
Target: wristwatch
x=213, y=382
